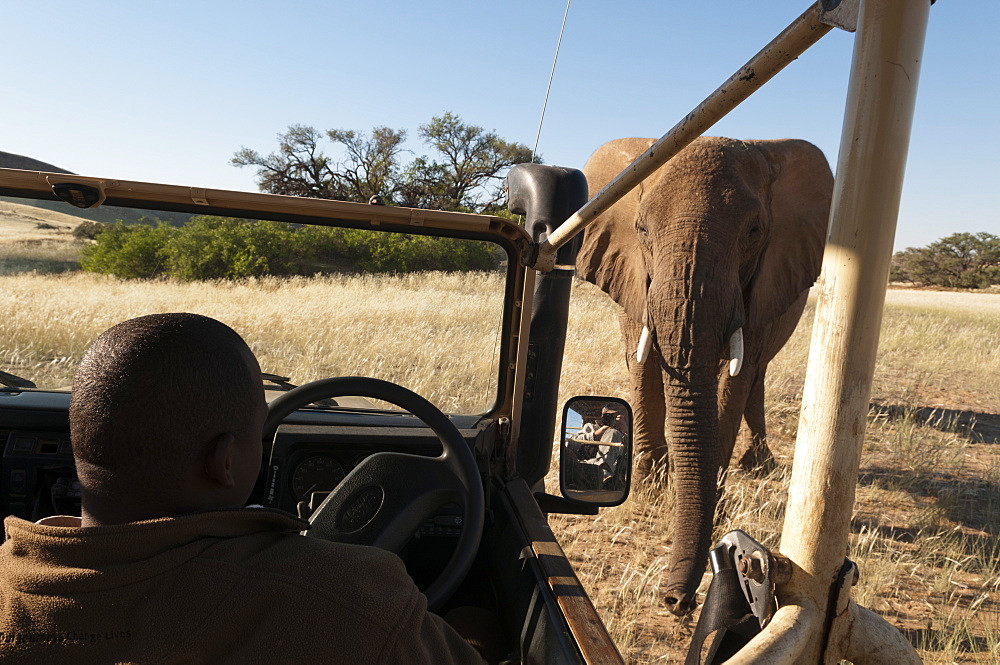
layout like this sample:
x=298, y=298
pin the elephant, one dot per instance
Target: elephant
x=710, y=261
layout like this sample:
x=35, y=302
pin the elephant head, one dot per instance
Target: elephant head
x=710, y=260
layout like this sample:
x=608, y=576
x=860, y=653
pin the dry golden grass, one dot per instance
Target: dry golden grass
x=434, y=333
x=39, y=255
x=926, y=532
x=37, y=240
x=20, y=222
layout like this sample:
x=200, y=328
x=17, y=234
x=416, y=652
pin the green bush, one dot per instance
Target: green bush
x=396, y=252
x=324, y=249
x=340, y=249
x=230, y=248
x=129, y=251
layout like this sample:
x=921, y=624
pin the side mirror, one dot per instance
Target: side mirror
x=595, y=456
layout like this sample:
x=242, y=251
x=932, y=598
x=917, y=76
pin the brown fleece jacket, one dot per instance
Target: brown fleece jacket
x=221, y=587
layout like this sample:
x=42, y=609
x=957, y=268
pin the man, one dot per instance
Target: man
x=612, y=424
x=611, y=433
x=599, y=462
x=165, y=565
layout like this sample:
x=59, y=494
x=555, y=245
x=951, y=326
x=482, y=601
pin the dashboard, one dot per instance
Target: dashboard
x=38, y=476
x=309, y=459
x=313, y=451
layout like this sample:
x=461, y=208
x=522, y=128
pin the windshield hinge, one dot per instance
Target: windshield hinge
x=503, y=439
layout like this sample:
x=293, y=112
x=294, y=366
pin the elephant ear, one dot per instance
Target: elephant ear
x=611, y=259
x=610, y=256
x=801, y=191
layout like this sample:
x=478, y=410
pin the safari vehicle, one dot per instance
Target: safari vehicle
x=490, y=510
x=458, y=496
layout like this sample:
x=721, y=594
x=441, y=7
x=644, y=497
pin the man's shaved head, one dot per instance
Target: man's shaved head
x=150, y=392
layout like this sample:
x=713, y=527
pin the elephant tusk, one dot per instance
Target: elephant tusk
x=645, y=342
x=736, y=352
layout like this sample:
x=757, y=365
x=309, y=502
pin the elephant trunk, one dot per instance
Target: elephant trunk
x=694, y=323
x=692, y=432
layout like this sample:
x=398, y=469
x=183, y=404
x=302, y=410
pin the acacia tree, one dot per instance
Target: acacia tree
x=961, y=260
x=300, y=168
x=467, y=173
x=470, y=175
x=371, y=165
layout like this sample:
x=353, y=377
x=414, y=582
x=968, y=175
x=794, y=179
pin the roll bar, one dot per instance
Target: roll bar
x=817, y=622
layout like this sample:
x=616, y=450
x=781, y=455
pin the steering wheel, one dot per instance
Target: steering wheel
x=385, y=498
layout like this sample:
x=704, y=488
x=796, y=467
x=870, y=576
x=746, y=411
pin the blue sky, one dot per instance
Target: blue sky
x=167, y=92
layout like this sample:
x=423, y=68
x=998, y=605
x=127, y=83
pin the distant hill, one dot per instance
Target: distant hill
x=9, y=160
x=105, y=214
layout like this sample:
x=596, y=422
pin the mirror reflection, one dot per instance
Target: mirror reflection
x=596, y=456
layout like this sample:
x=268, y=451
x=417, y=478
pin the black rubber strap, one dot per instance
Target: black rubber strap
x=725, y=618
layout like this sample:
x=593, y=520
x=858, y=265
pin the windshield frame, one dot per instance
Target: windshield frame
x=507, y=234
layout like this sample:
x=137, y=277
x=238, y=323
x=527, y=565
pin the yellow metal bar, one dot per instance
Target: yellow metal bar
x=15, y=182
x=805, y=31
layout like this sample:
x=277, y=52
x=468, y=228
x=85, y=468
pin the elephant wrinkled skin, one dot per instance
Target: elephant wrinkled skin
x=727, y=236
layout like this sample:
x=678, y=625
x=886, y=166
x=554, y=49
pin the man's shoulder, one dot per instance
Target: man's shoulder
x=313, y=563
x=301, y=576
x=613, y=436
x=329, y=556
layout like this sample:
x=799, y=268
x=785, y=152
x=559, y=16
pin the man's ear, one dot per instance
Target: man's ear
x=219, y=459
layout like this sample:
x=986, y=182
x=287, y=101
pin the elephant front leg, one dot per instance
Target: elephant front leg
x=649, y=408
x=742, y=397
x=734, y=397
x=757, y=456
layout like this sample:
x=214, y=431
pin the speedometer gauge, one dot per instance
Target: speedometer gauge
x=316, y=473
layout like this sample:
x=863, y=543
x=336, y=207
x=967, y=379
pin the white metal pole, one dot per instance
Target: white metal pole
x=881, y=98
